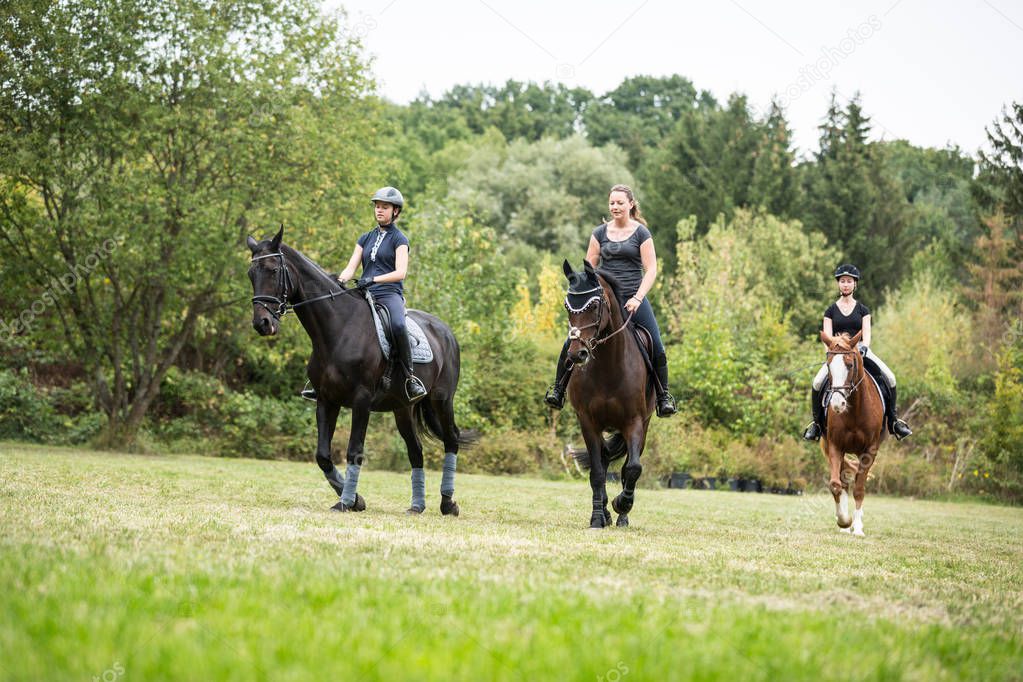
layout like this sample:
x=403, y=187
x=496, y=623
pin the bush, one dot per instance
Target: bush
x=25, y=412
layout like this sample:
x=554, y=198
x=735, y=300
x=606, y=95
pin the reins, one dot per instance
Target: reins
x=285, y=286
x=575, y=333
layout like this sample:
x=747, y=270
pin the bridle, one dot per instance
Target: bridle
x=599, y=300
x=845, y=390
x=285, y=286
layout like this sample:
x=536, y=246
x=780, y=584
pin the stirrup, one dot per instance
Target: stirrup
x=895, y=429
x=812, y=432
x=666, y=405
x=555, y=397
x=308, y=392
x=414, y=381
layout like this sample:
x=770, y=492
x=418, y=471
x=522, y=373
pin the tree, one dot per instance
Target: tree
x=1000, y=182
x=141, y=142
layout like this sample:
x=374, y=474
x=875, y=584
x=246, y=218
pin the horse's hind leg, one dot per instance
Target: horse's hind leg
x=445, y=411
x=860, y=489
x=404, y=420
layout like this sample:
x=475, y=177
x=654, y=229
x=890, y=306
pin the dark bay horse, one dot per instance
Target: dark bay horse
x=610, y=388
x=347, y=367
x=855, y=426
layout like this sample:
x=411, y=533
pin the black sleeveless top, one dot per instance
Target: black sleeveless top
x=849, y=324
x=622, y=259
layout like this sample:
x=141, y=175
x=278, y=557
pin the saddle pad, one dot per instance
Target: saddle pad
x=421, y=351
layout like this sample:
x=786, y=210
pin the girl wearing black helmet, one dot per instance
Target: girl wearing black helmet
x=850, y=316
x=383, y=253
x=625, y=248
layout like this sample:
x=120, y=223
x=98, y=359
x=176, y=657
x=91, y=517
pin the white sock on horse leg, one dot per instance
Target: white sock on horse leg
x=418, y=489
x=351, y=483
x=447, y=480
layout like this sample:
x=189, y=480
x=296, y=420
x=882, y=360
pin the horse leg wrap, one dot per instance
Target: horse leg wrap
x=336, y=480
x=447, y=480
x=351, y=483
x=628, y=494
x=418, y=489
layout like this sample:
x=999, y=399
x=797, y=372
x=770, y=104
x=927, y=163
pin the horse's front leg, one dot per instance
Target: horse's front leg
x=326, y=421
x=598, y=475
x=635, y=439
x=860, y=488
x=350, y=499
x=836, y=459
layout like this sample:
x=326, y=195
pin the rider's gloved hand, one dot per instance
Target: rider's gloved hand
x=862, y=348
x=364, y=282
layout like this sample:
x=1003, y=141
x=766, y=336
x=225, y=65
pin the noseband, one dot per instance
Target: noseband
x=286, y=288
x=599, y=300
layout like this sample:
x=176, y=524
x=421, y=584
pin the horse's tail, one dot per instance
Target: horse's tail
x=428, y=426
x=615, y=446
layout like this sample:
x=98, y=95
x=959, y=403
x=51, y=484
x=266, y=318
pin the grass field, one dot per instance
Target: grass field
x=125, y=567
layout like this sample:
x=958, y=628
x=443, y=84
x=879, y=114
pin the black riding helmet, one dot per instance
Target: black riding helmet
x=847, y=270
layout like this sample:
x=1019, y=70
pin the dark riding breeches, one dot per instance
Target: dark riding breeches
x=395, y=305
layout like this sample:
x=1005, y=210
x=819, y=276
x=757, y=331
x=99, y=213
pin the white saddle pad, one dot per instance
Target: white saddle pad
x=421, y=351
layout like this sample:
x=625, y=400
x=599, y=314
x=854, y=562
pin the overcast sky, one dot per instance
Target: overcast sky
x=930, y=72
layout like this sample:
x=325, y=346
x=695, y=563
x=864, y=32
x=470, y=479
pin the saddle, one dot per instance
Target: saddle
x=422, y=353
x=646, y=348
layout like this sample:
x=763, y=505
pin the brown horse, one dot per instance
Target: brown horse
x=609, y=389
x=855, y=425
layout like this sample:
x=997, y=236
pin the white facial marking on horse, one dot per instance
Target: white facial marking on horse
x=839, y=375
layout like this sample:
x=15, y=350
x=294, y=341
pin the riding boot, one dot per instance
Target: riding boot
x=814, y=430
x=555, y=396
x=414, y=388
x=665, y=401
x=896, y=426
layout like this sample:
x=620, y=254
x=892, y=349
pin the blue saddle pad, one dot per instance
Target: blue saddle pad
x=421, y=351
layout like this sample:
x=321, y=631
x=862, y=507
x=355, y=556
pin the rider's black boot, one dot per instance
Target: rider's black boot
x=814, y=431
x=555, y=396
x=414, y=388
x=896, y=426
x=665, y=401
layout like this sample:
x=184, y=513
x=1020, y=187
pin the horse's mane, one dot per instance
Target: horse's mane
x=308, y=262
x=616, y=286
x=844, y=339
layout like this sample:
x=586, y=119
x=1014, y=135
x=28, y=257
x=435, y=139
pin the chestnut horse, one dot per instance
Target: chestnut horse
x=855, y=426
x=609, y=389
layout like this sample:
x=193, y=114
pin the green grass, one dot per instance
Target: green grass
x=146, y=567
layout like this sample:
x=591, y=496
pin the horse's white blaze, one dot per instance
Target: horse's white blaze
x=839, y=375
x=857, y=525
x=842, y=508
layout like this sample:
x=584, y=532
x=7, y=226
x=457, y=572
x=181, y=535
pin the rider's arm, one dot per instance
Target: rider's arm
x=649, y=256
x=400, y=266
x=353, y=263
x=829, y=330
x=865, y=339
x=593, y=252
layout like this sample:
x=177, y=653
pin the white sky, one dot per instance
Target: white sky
x=929, y=72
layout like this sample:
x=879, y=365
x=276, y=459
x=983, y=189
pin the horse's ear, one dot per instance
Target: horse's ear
x=588, y=268
x=567, y=268
x=275, y=243
x=856, y=339
x=253, y=244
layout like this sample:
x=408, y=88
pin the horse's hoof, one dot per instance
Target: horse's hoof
x=623, y=521
x=448, y=507
x=845, y=530
x=414, y=511
x=622, y=505
x=360, y=505
x=607, y=517
x=858, y=532
x=598, y=520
